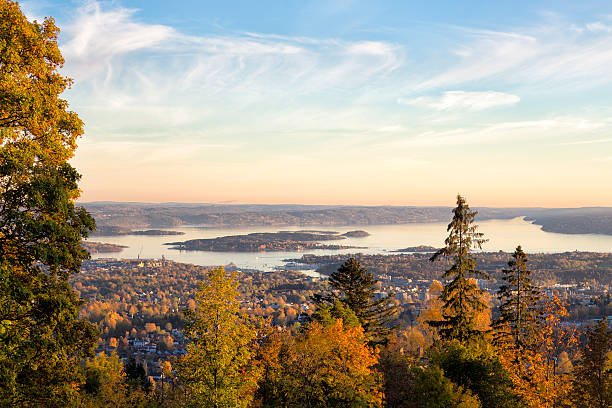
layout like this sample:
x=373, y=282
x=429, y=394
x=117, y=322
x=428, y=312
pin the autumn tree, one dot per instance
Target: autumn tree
x=106, y=384
x=323, y=366
x=432, y=312
x=219, y=369
x=463, y=299
x=592, y=385
x=519, y=301
x=354, y=286
x=41, y=338
x=534, y=371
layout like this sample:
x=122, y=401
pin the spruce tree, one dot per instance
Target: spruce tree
x=519, y=299
x=462, y=297
x=354, y=286
x=592, y=385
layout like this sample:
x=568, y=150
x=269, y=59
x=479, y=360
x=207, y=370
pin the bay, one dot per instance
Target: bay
x=503, y=235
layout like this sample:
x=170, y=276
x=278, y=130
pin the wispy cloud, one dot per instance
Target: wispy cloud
x=588, y=142
x=484, y=54
x=265, y=110
x=528, y=131
x=537, y=55
x=462, y=100
x=133, y=75
x=96, y=36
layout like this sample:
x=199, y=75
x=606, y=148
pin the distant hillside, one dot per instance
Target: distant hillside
x=141, y=215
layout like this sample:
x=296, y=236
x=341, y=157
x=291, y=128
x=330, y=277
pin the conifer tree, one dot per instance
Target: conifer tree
x=519, y=299
x=354, y=286
x=463, y=299
x=592, y=385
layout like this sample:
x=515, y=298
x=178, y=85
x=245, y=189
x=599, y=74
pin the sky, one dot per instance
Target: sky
x=340, y=102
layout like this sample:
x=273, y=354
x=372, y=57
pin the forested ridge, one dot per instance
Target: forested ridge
x=346, y=345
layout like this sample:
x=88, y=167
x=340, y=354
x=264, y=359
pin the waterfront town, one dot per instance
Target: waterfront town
x=137, y=304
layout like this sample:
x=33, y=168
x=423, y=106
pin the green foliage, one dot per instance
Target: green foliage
x=327, y=314
x=592, y=385
x=104, y=382
x=41, y=338
x=519, y=299
x=353, y=286
x=219, y=369
x=476, y=367
x=396, y=369
x=463, y=299
x=431, y=389
x=136, y=375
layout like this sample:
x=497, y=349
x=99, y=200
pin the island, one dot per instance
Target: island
x=264, y=241
x=101, y=247
x=420, y=248
x=356, y=234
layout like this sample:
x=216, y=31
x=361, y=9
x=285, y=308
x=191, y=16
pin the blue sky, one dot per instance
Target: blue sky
x=341, y=102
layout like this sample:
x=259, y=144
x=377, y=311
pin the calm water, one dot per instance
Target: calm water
x=502, y=234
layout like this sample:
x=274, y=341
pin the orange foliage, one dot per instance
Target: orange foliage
x=535, y=373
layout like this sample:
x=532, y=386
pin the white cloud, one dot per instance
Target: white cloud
x=97, y=36
x=99, y=41
x=462, y=100
x=535, y=56
x=486, y=53
x=598, y=26
x=528, y=131
x=152, y=76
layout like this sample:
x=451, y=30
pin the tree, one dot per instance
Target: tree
x=477, y=368
x=431, y=389
x=519, y=300
x=327, y=314
x=592, y=385
x=42, y=339
x=136, y=376
x=534, y=371
x=105, y=382
x=463, y=299
x=219, y=369
x=354, y=287
x=323, y=366
x=432, y=312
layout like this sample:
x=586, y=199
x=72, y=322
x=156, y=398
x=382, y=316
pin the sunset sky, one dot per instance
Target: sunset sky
x=341, y=102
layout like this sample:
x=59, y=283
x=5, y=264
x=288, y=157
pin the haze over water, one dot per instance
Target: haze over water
x=503, y=235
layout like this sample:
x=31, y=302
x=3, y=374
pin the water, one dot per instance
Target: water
x=502, y=234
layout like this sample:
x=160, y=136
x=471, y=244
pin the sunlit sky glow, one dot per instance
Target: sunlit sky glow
x=341, y=102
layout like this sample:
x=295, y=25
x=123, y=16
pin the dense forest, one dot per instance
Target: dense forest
x=68, y=333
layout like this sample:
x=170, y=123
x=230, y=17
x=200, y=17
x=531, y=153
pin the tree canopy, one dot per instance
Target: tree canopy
x=355, y=287
x=41, y=337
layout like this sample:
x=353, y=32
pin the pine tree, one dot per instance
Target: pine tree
x=463, y=299
x=592, y=385
x=519, y=299
x=354, y=286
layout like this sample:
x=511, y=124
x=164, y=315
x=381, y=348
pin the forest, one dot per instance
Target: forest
x=74, y=334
